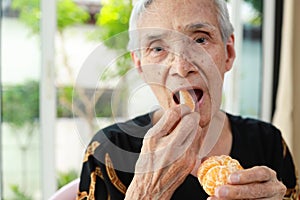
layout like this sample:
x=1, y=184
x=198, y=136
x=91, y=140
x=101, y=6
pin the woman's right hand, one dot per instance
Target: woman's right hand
x=167, y=156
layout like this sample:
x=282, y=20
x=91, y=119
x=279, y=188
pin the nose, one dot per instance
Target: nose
x=180, y=66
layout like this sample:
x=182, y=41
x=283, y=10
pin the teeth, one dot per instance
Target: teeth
x=187, y=99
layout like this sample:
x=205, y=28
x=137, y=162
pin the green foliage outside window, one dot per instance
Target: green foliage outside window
x=65, y=93
x=66, y=177
x=30, y=13
x=257, y=5
x=21, y=104
x=19, y=194
x=68, y=14
x=20, y=111
x=114, y=19
x=113, y=22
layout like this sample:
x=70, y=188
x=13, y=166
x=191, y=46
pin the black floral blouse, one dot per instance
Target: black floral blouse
x=108, y=165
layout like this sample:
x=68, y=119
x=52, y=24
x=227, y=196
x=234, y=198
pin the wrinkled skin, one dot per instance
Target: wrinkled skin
x=255, y=183
x=188, y=56
x=159, y=174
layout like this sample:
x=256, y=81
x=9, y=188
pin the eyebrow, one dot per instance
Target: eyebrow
x=154, y=36
x=196, y=26
x=149, y=37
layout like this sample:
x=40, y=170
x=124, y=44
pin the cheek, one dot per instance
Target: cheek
x=163, y=95
x=219, y=58
x=155, y=72
x=156, y=75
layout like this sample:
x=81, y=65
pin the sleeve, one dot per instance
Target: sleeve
x=289, y=174
x=92, y=185
x=99, y=179
x=284, y=165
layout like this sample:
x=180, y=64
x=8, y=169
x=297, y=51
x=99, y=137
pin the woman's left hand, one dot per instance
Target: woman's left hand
x=259, y=182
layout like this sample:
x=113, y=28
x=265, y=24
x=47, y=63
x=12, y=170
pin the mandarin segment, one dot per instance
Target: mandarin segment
x=214, y=177
x=214, y=172
x=204, y=169
x=187, y=99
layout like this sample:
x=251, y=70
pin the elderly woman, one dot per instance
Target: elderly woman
x=182, y=47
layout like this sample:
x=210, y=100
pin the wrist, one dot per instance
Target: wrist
x=138, y=190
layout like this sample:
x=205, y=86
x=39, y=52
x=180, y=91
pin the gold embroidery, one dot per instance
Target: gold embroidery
x=284, y=148
x=99, y=173
x=91, y=195
x=113, y=175
x=81, y=195
x=90, y=150
x=293, y=193
x=92, y=187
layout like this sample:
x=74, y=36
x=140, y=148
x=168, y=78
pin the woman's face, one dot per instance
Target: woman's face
x=181, y=48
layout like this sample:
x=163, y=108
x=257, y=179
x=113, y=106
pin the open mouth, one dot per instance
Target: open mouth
x=196, y=94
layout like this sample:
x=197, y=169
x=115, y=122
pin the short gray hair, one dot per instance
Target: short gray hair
x=140, y=6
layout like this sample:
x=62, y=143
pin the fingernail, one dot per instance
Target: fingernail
x=203, y=159
x=221, y=192
x=234, y=178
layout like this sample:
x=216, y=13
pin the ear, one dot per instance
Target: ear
x=136, y=61
x=230, y=52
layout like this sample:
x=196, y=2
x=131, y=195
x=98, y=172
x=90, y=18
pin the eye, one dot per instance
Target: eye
x=201, y=40
x=157, y=49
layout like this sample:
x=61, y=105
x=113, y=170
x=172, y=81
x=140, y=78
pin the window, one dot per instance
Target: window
x=248, y=86
x=20, y=74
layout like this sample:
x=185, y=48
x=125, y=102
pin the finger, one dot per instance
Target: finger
x=168, y=121
x=187, y=144
x=185, y=132
x=196, y=143
x=174, y=146
x=211, y=198
x=215, y=198
x=254, y=174
x=267, y=189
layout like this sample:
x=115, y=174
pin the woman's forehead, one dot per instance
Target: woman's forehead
x=178, y=14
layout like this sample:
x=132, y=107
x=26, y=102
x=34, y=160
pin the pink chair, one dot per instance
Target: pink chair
x=67, y=192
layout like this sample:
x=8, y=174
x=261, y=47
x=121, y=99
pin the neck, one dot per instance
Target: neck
x=216, y=139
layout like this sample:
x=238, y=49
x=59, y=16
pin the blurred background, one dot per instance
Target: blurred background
x=65, y=73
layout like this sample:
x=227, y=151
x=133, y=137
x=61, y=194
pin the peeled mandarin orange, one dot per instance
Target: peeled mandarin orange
x=214, y=172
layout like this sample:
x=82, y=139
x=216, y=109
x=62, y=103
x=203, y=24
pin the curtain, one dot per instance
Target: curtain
x=284, y=102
